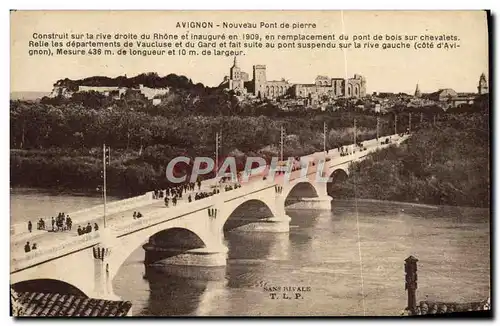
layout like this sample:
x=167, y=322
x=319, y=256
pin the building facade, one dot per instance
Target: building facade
x=237, y=78
x=262, y=88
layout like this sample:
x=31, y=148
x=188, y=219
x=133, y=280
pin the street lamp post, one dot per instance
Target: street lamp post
x=324, y=136
x=395, y=124
x=282, y=142
x=355, y=132
x=106, y=153
x=218, y=140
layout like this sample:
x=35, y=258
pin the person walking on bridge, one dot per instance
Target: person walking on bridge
x=30, y=226
x=27, y=247
x=69, y=222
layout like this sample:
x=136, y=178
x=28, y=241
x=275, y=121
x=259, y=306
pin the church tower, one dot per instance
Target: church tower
x=259, y=80
x=482, y=87
x=235, y=81
x=417, y=91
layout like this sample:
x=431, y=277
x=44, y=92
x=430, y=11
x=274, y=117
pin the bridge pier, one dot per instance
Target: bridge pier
x=273, y=224
x=103, y=288
x=156, y=255
x=323, y=202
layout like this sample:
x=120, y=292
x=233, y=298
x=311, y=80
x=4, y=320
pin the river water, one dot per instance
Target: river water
x=321, y=254
x=31, y=204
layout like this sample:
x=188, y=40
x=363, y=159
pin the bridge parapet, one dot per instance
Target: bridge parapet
x=41, y=255
x=165, y=214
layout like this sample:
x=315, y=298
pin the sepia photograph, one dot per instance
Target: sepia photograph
x=251, y=163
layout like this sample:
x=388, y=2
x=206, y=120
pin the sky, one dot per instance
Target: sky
x=385, y=70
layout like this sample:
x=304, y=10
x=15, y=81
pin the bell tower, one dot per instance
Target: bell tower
x=482, y=87
x=417, y=91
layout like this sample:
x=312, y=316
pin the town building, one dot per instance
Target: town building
x=262, y=88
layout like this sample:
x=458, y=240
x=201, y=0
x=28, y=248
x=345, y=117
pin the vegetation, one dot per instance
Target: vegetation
x=446, y=164
x=57, y=142
x=61, y=145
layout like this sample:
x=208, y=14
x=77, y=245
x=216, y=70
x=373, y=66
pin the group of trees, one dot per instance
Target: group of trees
x=61, y=145
x=150, y=79
x=446, y=164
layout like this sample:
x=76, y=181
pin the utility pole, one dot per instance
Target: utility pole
x=218, y=140
x=324, y=136
x=355, y=132
x=409, y=122
x=106, y=154
x=395, y=124
x=282, y=142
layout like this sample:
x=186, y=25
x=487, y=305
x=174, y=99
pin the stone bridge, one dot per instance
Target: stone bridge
x=187, y=234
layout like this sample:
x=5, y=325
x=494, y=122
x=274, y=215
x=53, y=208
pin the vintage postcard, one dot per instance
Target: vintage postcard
x=250, y=163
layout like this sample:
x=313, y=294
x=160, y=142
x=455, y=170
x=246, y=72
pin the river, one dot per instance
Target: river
x=321, y=255
x=31, y=204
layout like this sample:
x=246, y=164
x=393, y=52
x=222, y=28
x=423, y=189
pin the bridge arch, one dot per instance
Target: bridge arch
x=337, y=176
x=246, y=212
x=178, y=237
x=298, y=190
x=46, y=285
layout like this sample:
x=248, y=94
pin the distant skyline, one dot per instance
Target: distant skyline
x=384, y=70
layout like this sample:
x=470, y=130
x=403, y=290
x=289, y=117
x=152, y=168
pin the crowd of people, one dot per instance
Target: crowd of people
x=61, y=223
x=87, y=229
x=348, y=150
x=176, y=191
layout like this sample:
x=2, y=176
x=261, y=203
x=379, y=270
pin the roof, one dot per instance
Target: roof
x=36, y=304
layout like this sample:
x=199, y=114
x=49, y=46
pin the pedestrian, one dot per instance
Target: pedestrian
x=69, y=222
x=34, y=246
x=135, y=215
x=88, y=229
x=139, y=215
x=30, y=226
x=27, y=247
x=79, y=230
x=53, y=222
x=96, y=227
x=189, y=198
